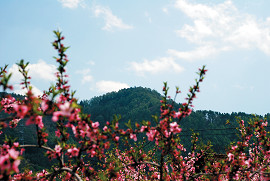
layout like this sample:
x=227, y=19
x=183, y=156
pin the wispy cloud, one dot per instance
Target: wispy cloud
x=71, y=3
x=198, y=53
x=112, y=22
x=86, y=77
x=221, y=27
x=109, y=86
x=147, y=15
x=241, y=87
x=155, y=66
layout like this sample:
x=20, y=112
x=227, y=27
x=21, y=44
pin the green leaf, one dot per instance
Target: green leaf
x=128, y=124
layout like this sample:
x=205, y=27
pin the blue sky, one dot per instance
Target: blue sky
x=121, y=44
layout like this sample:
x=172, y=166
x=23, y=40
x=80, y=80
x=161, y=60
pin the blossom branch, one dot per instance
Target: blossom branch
x=139, y=163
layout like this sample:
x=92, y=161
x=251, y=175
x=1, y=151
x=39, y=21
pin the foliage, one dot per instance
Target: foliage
x=86, y=150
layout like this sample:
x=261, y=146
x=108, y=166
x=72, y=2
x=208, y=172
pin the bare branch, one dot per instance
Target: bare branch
x=37, y=146
x=63, y=169
x=61, y=159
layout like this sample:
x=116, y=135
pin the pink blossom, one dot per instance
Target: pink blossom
x=65, y=111
x=73, y=152
x=44, y=106
x=116, y=125
x=231, y=156
x=247, y=162
x=74, y=130
x=22, y=150
x=105, y=128
x=107, y=145
x=75, y=115
x=15, y=165
x=133, y=136
x=35, y=120
x=165, y=112
x=21, y=110
x=264, y=124
x=177, y=114
x=5, y=162
x=58, y=150
x=56, y=116
x=58, y=133
x=167, y=134
x=9, y=162
x=39, y=122
x=267, y=153
x=95, y=125
x=13, y=153
x=174, y=128
x=16, y=144
x=156, y=175
x=236, y=176
x=41, y=174
x=143, y=128
x=234, y=147
x=151, y=134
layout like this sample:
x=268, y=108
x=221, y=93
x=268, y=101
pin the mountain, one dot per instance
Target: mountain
x=135, y=104
x=138, y=103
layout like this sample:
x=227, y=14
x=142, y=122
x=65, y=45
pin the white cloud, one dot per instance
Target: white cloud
x=155, y=66
x=90, y=62
x=221, y=27
x=243, y=87
x=109, y=86
x=40, y=70
x=70, y=3
x=87, y=78
x=165, y=10
x=83, y=71
x=86, y=75
x=238, y=86
x=111, y=21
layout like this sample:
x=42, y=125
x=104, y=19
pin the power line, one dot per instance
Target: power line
x=212, y=129
x=211, y=134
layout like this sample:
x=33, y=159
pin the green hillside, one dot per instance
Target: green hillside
x=138, y=103
x=135, y=104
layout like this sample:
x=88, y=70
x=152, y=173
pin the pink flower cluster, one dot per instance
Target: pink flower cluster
x=73, y=152
x=9, y=160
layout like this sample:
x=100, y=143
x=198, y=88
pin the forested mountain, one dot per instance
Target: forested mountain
x=138, y=103
x=135, y=104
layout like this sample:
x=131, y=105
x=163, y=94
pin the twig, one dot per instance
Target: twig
x=255, y=172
